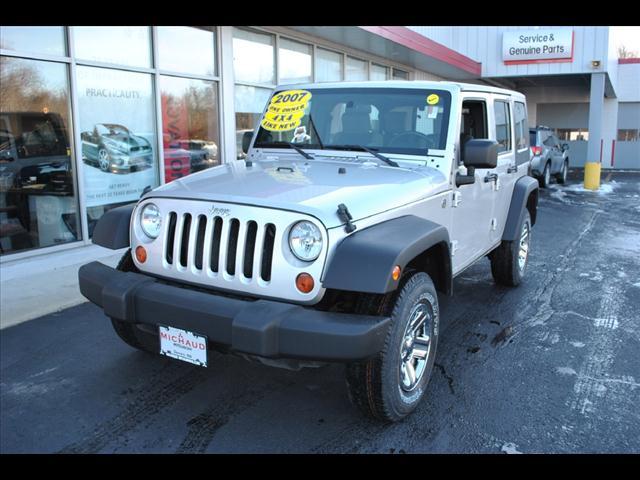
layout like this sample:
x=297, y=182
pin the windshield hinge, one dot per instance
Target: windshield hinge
x=345, y=216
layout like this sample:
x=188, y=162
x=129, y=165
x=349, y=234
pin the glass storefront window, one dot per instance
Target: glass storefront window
x=186, y=50
x=328, y=66
x=38, y=204
x=378, y=72
x=400, y=74
x=253, y=57
x=295, y=61
x=117, y=131
x=190, y=132
x=119, y=45
x=249, y=104
x=356, y=70
x=43, y=40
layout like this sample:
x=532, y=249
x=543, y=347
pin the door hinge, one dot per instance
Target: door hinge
x=456, y=199
x=453, y=247
x=494, y=224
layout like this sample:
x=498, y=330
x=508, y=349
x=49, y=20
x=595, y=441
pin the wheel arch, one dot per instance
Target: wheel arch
x=525, y=195
x=363, y=262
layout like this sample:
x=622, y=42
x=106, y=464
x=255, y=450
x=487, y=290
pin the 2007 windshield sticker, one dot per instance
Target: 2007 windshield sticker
x=285, y=110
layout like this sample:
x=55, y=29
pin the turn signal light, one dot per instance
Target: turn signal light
x=304, y=282
x=395, y=273
x=141, y=254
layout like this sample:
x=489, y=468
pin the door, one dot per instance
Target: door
x=502, y=126
x=473, y=204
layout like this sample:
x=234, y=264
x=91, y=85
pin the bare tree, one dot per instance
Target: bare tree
x=624, y=53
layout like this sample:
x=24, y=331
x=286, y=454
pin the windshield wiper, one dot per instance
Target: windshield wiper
x=290, y=144
x=365, y=149
x=313, y=125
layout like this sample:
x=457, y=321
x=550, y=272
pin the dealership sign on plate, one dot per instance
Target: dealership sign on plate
x=537, y=46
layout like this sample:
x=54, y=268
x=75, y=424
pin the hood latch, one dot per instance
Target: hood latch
x=345, y=216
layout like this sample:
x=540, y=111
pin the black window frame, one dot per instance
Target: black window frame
x=509, y=148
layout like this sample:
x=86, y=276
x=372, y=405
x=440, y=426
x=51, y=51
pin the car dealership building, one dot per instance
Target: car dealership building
x=91, y=116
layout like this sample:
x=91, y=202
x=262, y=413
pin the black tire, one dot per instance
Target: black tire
x=128, y=332
x=505, y=267
x=545, y=179
x=375, y=386
x=561, y=177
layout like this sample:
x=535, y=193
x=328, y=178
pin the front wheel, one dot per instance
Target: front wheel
x=391, y=385
x=103, y=159
x=509, y=260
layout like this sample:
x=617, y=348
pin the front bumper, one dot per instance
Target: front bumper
x=263, y=328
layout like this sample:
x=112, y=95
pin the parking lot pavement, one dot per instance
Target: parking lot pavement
x=550, y=366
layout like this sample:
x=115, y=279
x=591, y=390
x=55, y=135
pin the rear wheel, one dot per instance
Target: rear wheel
x=509, y=260
x=562, y=176
x=128, y=332
x=391, y=385
x=545, y=179
x=103, y=159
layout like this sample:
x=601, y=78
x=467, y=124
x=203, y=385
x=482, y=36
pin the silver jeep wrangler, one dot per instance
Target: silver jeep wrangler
x=356, y=205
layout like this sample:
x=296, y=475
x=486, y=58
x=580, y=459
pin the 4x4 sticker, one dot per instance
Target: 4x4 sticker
x=433, y=99
x=285, y=110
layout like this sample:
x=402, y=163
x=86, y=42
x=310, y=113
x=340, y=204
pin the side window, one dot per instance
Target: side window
x=520, y=120
x=503, y=126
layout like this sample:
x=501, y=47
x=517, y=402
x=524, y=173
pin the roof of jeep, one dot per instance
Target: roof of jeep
x=465, y=87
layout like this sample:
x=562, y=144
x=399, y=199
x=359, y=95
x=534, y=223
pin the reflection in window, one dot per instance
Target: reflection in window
x=121, y=45
x=378, y=72
x=328, y=66
x=249, y=104
x=117, y=131
x=356, y=70
x=190, y=133
x=186, y=50
x=628, y=135
x=400, y=74
x=503, y=126
x=43, y=40
x=253, y=57
x=295, y=61
x=38, y=206
x=572, y=134
x=520, y=125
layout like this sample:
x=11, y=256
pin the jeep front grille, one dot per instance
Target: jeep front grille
x=236, y=248
x=229, y=243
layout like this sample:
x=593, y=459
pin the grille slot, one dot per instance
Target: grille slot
x=215, y=243
x=202, y=226
x=267, y=251
x=184, y=243
x=249, y=249
x=171, y=231
x=232, y=246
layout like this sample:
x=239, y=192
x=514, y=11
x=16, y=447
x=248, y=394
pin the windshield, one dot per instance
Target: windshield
x=404, y=121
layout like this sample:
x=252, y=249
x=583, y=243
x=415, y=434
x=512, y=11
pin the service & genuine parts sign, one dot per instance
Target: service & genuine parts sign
x=537, y=46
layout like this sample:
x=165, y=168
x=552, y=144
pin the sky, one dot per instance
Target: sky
x=627, y=36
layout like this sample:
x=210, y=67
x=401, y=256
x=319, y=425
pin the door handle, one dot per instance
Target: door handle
x=490, y=176
x=512, y=168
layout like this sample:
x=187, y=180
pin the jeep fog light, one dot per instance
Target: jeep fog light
x=304, y=282
x=305, y=241
x=151, y=220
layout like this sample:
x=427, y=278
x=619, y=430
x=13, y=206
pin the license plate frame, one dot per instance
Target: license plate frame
x=184, y=345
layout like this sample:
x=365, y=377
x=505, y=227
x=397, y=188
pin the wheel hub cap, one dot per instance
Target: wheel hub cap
x=416, y=344
x=523, y=251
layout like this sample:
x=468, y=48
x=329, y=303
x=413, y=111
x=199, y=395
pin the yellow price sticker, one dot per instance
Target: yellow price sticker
x=285, y=110
x=433, y=99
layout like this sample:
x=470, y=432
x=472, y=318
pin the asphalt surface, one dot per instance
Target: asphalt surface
x=550, y=366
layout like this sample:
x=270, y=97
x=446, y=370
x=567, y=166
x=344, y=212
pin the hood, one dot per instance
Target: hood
x=315, y=187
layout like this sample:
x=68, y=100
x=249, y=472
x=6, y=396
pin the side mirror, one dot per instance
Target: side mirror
x=480, y=153
x=246, y=140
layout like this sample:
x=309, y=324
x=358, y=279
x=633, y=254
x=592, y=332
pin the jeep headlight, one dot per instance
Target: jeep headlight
x=305, y=241
x=151, y=220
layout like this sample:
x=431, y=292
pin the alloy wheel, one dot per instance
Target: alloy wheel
x=416, y=344
x=523, y=250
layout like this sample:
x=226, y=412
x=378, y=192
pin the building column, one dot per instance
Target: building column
x=228, y=116
x=596, y=111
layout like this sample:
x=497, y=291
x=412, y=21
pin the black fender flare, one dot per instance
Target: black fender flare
x=363, y=262
x=522, y=190
x=112, y=230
